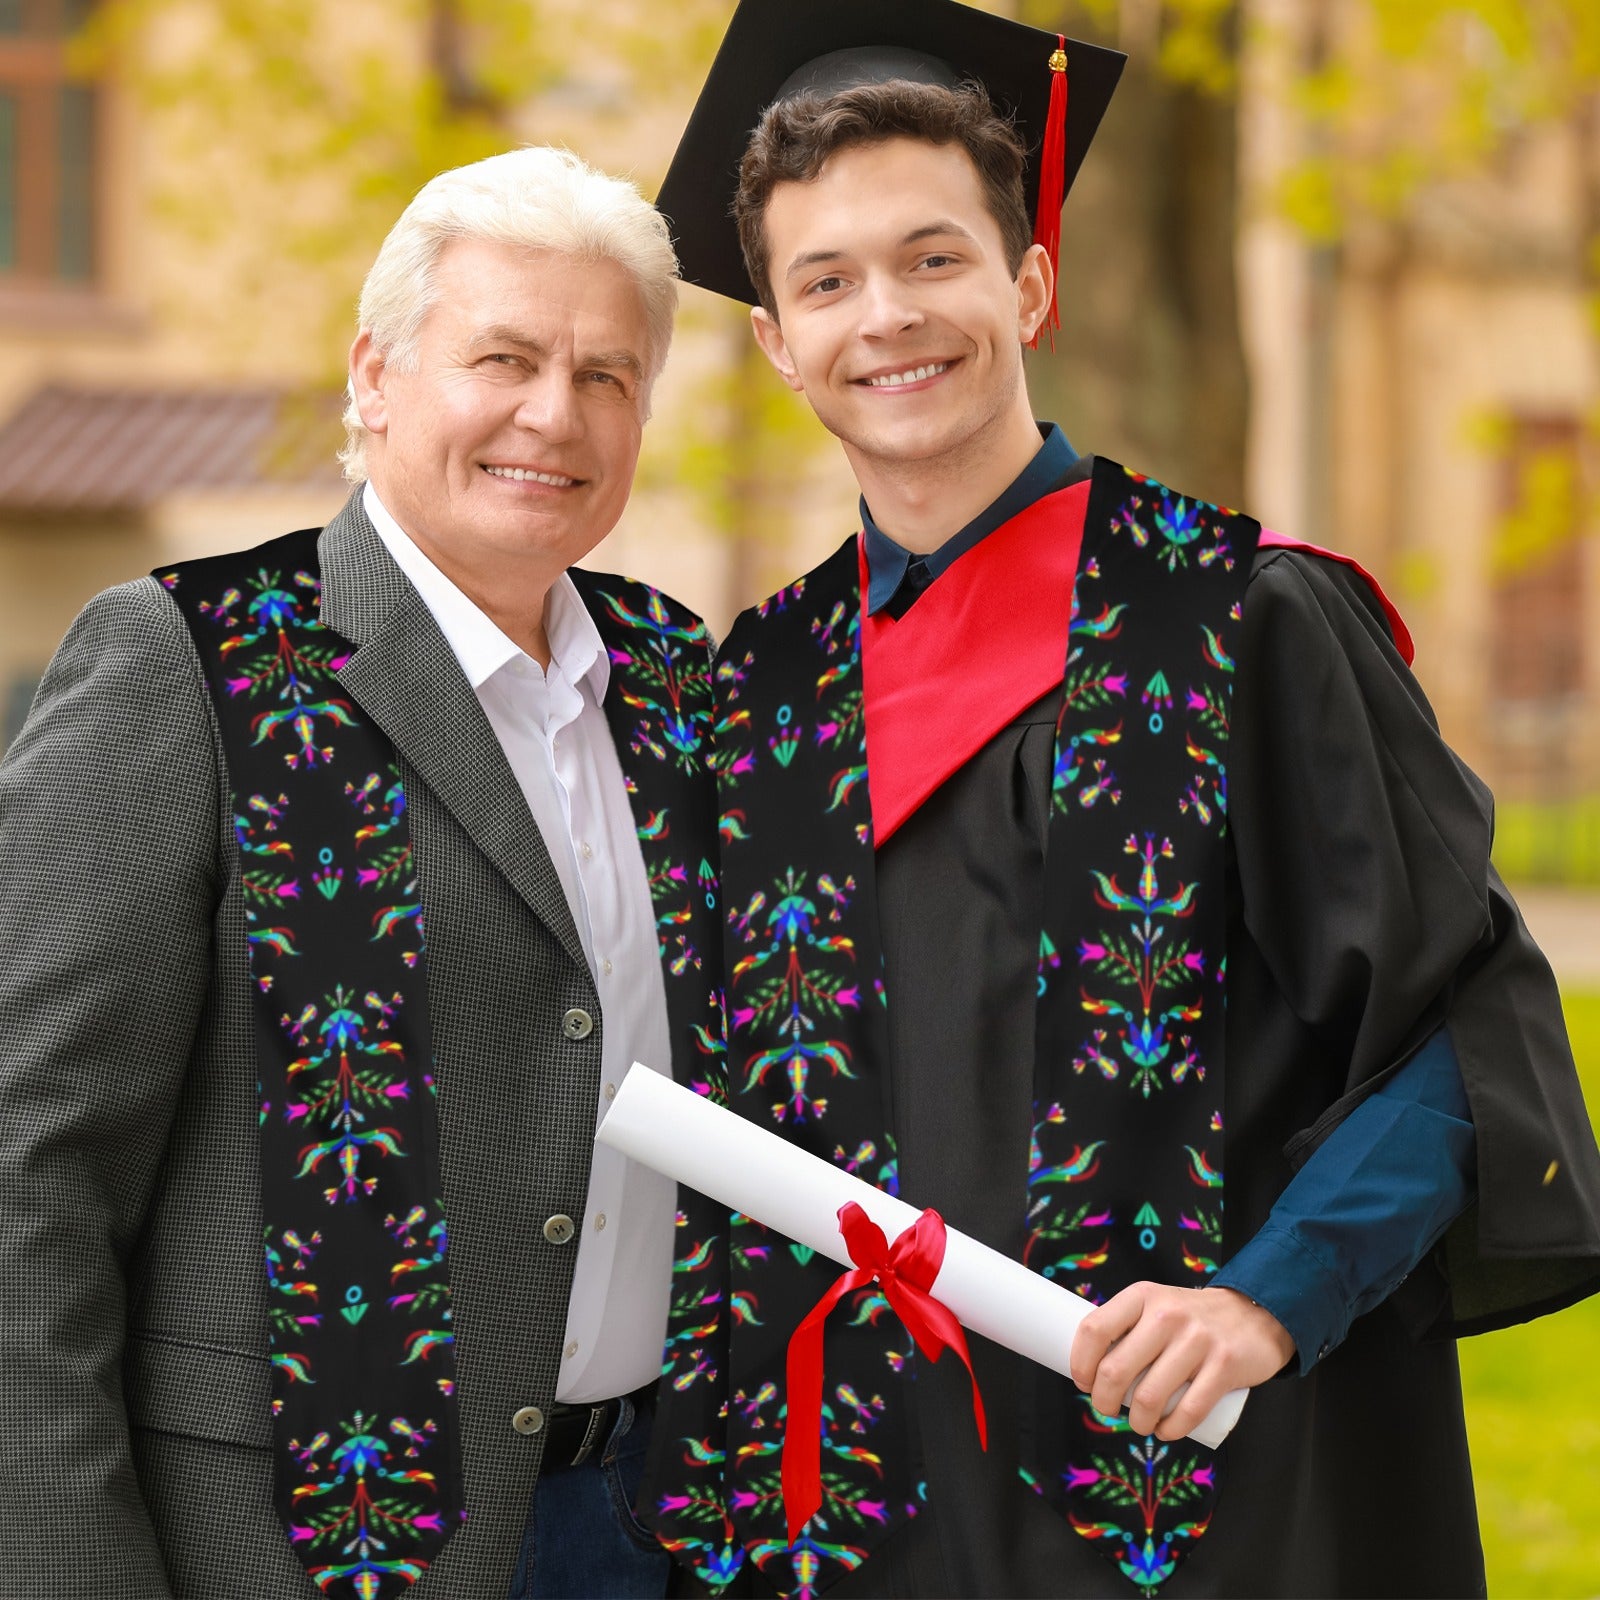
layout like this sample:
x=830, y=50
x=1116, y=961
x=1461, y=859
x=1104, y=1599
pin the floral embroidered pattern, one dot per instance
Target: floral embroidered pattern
x=1134, y=894
x=368, y=1477
x=1144, y=962
x=1149, y=1490
x=798, y=979
x=365, y=1501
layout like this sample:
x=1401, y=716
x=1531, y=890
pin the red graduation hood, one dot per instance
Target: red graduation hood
x=1397, y=624
x=981, y=645
x=978, y=647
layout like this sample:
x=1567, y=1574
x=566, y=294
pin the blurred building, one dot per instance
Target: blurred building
x=1426, y=396
x=160, y=401
x=121, y=447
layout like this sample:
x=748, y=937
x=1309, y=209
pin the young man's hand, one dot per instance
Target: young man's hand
x=1212, y=1339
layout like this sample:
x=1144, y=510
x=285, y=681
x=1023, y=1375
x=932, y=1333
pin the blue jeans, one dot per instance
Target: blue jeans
x=582, y=1541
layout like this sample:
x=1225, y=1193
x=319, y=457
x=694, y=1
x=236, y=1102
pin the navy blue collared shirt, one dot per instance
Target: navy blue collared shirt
x=1367, y=1206
x=898, y=576
x=1379, y=1192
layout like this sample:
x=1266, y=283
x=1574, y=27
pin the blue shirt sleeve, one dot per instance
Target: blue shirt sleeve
x=1367, y=1206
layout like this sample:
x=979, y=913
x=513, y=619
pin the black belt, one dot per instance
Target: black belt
x=574, y=1433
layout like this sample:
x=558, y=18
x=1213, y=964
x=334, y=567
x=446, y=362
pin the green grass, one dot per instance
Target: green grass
x=1533, y=1414
x=1548, y=841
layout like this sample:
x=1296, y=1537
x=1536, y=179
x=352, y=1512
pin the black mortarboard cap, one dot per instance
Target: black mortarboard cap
x=777, y=48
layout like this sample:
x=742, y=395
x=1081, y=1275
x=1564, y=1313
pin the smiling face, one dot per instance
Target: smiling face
x=509, y=448
x=898, y=316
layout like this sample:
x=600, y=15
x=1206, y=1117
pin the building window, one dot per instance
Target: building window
x=48, y=136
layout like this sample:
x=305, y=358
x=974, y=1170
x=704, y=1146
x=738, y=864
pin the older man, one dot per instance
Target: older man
x=244, y=1106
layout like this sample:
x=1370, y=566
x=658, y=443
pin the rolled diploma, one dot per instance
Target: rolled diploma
x=753, y=1171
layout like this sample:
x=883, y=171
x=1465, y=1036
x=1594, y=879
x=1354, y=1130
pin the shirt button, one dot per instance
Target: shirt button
x=559, y=1229
x=605, y=967
x=588, y=851
x=571, y=1350
x=530, y=1419
x=600, y=1223
x=611, y=1091
x=577, y=1023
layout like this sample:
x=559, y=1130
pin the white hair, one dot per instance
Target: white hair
x=536, y=197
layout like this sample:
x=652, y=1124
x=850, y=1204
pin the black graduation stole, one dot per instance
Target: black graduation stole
x=1125, y=1173
x=367, y=1476
x=367, y=1458
x=660, y=711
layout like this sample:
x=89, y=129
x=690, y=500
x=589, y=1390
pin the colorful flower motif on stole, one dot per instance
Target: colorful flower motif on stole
x=274, y=649
x=1155, y=1499
x=362, y=1497
x=797, y=979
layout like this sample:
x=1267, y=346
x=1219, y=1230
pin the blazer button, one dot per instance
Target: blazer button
x=577, y=1024
x=530, y=1419
x=560, y=1229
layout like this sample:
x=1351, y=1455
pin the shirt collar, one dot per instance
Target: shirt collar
x=888, y=561
x=575, y=642
x=477, y=641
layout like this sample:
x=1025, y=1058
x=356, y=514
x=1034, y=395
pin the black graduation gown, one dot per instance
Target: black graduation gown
x=1363, y=913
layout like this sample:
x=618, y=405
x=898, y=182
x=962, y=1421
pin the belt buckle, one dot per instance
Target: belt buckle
x=590, y=1434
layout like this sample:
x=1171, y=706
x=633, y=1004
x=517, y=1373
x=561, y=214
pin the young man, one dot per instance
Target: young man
x=244, y=1109
x=1082, y=844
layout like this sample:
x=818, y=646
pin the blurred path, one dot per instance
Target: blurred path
x=1566, y=922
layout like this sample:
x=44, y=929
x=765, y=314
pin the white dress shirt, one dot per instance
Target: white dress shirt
x=555, y=736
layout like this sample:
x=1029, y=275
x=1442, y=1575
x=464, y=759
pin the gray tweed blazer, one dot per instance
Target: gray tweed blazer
x=134, y=1378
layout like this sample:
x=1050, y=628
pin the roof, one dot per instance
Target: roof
x=69, y=450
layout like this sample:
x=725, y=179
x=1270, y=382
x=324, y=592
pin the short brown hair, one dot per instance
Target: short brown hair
x=795, y=138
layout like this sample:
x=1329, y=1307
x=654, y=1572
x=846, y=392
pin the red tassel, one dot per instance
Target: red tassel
x=1052, y=182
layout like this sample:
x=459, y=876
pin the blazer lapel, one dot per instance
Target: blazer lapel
x=405, y=676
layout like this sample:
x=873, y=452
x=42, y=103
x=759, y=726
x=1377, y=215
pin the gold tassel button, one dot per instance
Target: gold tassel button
x=1058, y=62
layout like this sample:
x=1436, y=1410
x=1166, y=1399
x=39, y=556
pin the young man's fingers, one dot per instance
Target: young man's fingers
x=1101, y=1329
x=1124, y=1362
x=1206, y=1387
x=1175, y=1366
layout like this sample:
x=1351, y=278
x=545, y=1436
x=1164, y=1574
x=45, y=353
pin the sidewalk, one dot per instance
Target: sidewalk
x=1566, y=922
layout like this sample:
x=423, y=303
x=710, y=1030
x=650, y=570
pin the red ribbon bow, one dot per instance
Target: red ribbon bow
x=905, y=1271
